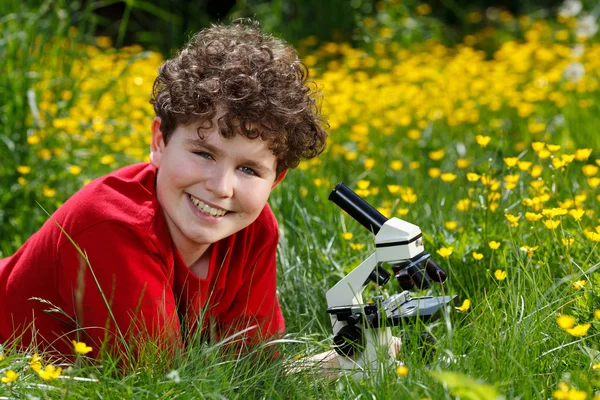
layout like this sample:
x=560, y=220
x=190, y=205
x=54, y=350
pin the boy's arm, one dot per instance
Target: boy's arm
x=127, y=273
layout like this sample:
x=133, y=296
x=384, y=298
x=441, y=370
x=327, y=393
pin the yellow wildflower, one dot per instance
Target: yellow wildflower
x=589, y=170
x=568, y=242
x=551, y=224
x=533, y=216
x=500, y=275
x=410, y=198
x=579, y=284
x=402, y=370
x=544, y=153
x=577, y=214
x=483, y=141
x=402, y=211
x=396, y=165
x=579, y=330
x=463, y=163
x=81, y=347
x=537, y=146
x=414, y=165
x=594, y=182
x=597, y=313
x=514, y=220
x=347, y=235
x=511, y=161
x=494, y=245
x=477, y=256
x=50, y=372
x=434, y=172
x=524, y=165
x=464, y=307
x=528, y=250
x=536, y=171
x=23, y=169
x=448, y=177
x=356, y=246
x=74, y=170
x=565, y=321
x=445, y=252
x=9, y=376
x=553, y=147
x=362, y=184
x=36, y=362
x=437, y=154
x=393, y=189
x=369, y=163
x=464, y=205
x=472, y=177
x=451, y=225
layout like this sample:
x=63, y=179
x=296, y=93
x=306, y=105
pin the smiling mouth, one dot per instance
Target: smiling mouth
x=206, y=209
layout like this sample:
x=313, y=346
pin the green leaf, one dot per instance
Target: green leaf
x=465, y=387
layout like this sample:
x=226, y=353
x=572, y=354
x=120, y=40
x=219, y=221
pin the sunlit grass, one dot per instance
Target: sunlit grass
x=496, y=159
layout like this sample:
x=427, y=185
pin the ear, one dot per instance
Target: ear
x=279, y=178
x=157, y=145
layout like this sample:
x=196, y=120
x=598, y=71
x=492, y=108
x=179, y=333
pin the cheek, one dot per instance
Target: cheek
x=254, y=197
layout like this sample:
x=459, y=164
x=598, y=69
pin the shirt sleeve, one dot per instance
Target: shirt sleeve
x=126, y=275
x=256, y=307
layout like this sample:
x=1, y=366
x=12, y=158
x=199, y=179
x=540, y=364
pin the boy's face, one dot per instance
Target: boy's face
x=210, y=188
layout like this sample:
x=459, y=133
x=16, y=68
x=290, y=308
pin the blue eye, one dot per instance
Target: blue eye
x=203, y=154
x=248, y=171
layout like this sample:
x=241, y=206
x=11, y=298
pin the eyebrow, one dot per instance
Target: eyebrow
x=198, y=143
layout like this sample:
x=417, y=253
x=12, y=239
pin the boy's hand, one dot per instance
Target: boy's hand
x=328, y=363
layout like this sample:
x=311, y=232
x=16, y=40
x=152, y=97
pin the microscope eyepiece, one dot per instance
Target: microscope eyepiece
x=357, y=208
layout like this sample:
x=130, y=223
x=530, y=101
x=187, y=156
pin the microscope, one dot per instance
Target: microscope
x=362, y=332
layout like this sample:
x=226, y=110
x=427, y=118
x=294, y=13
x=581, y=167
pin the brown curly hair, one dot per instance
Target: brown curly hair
x=257, y=79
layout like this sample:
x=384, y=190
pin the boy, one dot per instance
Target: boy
x=186, y=241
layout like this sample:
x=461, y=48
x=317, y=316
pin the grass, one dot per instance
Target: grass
x=408, y=127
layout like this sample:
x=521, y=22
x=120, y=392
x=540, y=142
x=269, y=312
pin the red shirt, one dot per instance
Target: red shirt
x=118, y=223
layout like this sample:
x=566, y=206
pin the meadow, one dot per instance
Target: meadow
x=492, y=150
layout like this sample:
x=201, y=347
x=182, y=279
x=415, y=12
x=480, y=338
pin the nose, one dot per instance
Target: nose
x=220, y=182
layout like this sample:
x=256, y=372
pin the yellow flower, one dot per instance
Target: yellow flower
x=74, y=170
x=565, y=321
x=463, y=163
x=445, y=252
x=514, y=220
x=303, y=190
x=23, y=169
x=528, y=250
x=414, y=134
x=537, y=146
x=494, y=245
x=36, y=362
x=597, y=313
x=362, y=184
x=577, y=214
x=9, y=377
x=464, y=307
x=477, y=256
x=434, y=172
x=414, y=165
x=553, y=147
x=451, y=225
x=356, y=246
x=511, y=161
x=410, y=198
x=22, y=181
x=437, y=154
x=347, y=235
x=544, y=153
x=82, y=348
x=402, y=211
x=579, y=284
x=483, y=141
x=369, y=163
x=533, y=216
x=107, y=159
x=50, y=372
x=385, y=211
x=48, y=192
x=524, y=165
x=551, y=224
x=500, y=275
x=579, y=330
x=596, y=366
x=536, y=171
x=402, y=370
x=472, y=177
x=464, y=205
x=396, y=165
x=589, y=170
x=393, y=189
x=448, y=177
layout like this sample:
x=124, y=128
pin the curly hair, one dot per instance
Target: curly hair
x=257, y=79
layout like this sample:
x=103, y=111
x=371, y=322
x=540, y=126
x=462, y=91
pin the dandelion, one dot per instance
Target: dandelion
x=451, y=225
x=9, y=377
x=464, y=307
x=477, y=256
x=81, y=347
x=500, y=275
x=448, y=177
x=347, y=235
x=494, y=245
x=514, y=220
x=551, y=224
x=579, y=284
x=565, y=321
x=50, y=372
x=445, y=252
x=578, y=330
x=402, y=370
x=482, y=141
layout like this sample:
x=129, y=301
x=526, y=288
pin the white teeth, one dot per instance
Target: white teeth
x=206, y=209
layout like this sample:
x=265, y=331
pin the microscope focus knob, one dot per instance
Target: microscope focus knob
x=348, y=341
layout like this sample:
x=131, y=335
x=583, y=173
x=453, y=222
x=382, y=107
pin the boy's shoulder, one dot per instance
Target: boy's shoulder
x=125, y=196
